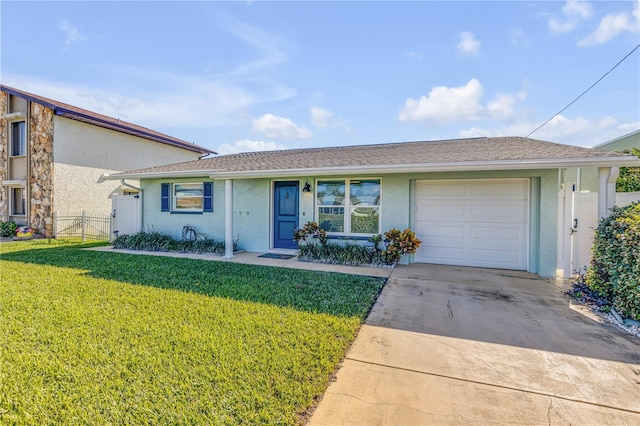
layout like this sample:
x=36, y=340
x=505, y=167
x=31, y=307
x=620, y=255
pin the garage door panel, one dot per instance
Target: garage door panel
x=498, y=211
x=497, y=258
x=435, y=231
x=449, y=209
x=473, y=223
x=497, y=233
x=502, y=190
x=445, y=255
x=430, y=190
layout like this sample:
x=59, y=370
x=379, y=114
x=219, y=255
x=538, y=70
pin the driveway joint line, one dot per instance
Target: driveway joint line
x=534, y=392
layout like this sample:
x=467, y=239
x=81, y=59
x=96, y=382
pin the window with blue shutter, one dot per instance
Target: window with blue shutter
x=164, y=198
x=208, y=196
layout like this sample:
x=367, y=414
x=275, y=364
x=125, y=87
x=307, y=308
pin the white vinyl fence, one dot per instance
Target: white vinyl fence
x=579, y=224
x=126, y=211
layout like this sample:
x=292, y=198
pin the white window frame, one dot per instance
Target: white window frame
x=174, y=198
x=11, y=141
x=12, y=201
x=347, y=206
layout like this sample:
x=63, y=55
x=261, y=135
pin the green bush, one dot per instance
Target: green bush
x=399, y=243
x=614, y=273
x=156, y=241
x=629, y=179
x=347, y=253
x=310, y=230
x=8, y=229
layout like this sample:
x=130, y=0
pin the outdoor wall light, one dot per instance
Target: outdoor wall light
x=307, y=187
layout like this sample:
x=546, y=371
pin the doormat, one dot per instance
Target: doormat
x=277, y=256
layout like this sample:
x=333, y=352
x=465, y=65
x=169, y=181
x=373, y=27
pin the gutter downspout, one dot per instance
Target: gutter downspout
x=123, y=183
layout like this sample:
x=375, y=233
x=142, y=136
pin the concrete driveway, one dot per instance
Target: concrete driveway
x=453, y=345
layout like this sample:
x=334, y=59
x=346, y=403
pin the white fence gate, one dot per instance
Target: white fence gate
x=579, y=224
x=126, y=213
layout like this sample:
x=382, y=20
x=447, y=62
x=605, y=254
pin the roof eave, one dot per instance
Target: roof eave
x=618, y=161
x=436, y=167
x=159, y=175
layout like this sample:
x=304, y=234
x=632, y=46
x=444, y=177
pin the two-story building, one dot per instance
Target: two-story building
x=52, y=156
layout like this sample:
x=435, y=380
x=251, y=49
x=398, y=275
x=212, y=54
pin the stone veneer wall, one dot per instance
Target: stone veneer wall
x=4, y=150
x=41, y=168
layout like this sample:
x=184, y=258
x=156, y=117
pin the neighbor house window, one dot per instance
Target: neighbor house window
x=18, y=139
x=18, y=202
x=349, y=206
x=187, y=197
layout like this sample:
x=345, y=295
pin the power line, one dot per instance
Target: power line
x=583, y=93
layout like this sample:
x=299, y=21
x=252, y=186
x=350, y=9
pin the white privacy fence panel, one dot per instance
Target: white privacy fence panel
x=127, y=214
x=580, y=221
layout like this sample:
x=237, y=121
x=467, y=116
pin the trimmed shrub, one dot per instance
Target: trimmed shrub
x=629, y=179
x=156, y=241
x=310, y=230
x=351, y=254
x=614, y=273
x=319, y=249
x=8, y=229
x=399, y=243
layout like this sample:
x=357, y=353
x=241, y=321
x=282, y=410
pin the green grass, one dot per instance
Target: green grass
x=107, y=338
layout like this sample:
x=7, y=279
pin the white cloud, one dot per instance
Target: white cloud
x=183, y=101
x=448, y=104
x=468, y=44
x=72, y=33
x=502, y=106
x=562, y=127
x=580, y=131
x=580, y=9
x=320, y=117
x=280, y=127
x=629, y=127
x=246, y=145
x=556, y=26
x=155, y=98
x=613, y=25
x=574, y=12
x=445, y=104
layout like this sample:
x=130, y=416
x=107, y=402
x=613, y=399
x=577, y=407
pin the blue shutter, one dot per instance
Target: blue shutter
x=164, y=197
x=208, y=196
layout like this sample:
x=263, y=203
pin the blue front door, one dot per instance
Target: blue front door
x=285, y=214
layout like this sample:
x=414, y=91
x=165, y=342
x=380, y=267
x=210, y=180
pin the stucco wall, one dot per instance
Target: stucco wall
x=252, y=210
x=82, y=144
x=77, y=189
x=4, y=152
x=630, y=141
x=83, y=152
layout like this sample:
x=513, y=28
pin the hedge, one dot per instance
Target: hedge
x=614, y=273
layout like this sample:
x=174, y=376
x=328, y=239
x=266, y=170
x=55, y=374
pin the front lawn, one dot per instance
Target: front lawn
x=108, y=338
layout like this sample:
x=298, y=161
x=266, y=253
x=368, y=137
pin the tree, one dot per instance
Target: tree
x=629, y=179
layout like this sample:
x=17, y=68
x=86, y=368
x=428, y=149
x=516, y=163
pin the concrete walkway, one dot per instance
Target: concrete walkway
x=451, y=345
x=251, y=258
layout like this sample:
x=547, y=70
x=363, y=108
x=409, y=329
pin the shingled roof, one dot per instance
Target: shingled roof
x=499, y=153
x=86, y=116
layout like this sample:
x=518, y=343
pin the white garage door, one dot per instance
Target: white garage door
x=473, y=222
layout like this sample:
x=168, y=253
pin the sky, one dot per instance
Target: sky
x=257, y=75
